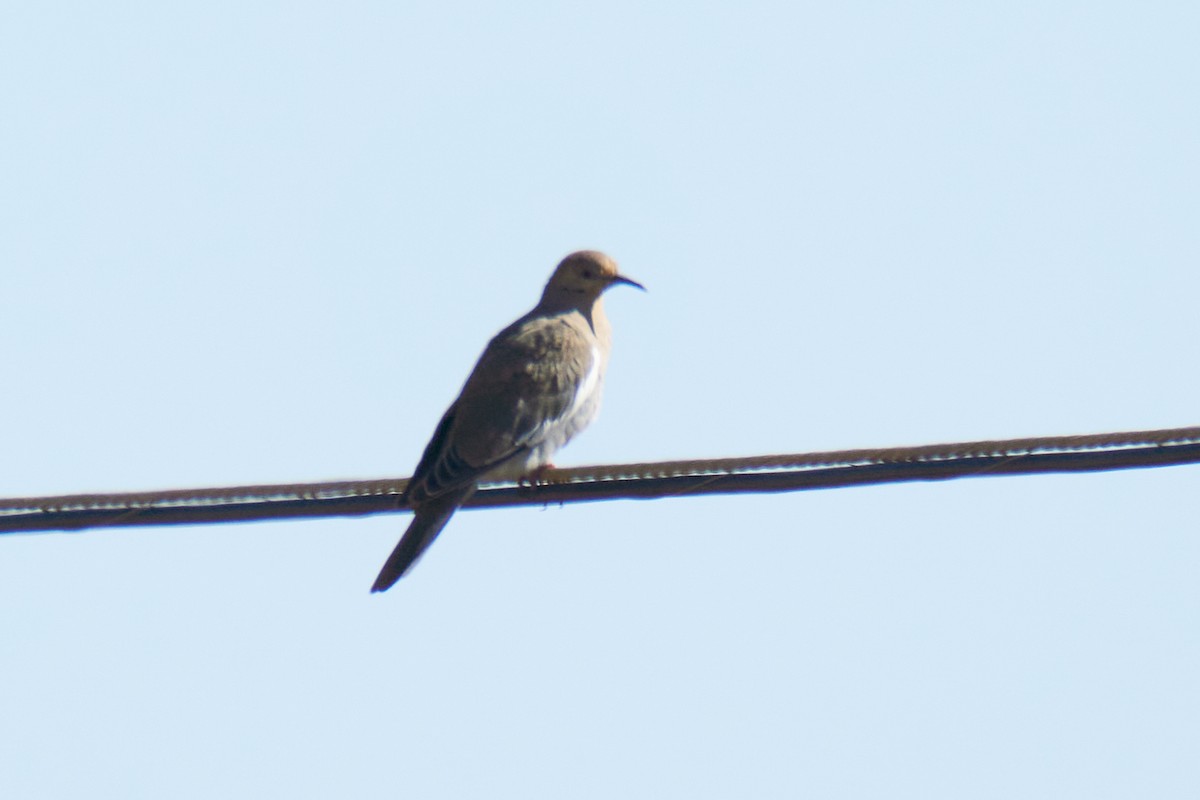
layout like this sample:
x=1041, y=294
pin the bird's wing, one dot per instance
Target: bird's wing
x=526, y=380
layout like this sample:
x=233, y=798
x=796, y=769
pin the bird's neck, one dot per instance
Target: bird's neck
x=599, y=321
x=557, y=298
x=590, y=308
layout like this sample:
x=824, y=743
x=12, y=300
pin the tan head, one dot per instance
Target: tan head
x=582, y=277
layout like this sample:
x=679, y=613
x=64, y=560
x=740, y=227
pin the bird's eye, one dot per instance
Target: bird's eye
x=587, y=273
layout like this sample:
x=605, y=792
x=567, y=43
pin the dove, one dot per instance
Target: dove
x=537, y=385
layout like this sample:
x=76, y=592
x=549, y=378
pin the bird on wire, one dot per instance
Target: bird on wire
x=537, y=384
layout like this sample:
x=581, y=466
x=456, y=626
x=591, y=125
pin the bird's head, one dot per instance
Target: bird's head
x=583, y=276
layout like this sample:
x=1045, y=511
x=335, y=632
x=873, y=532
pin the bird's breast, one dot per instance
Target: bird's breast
x=584, y=405
x=589, y=386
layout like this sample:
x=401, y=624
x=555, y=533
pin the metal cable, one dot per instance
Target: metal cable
x=773, y=473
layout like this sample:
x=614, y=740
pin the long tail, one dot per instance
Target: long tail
x=428, y=522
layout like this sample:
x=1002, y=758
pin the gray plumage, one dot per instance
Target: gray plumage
x=537, y=384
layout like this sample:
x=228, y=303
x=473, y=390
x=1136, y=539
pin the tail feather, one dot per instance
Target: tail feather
x=427, y=523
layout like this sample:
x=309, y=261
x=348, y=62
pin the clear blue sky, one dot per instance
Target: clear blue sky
x=265, y=243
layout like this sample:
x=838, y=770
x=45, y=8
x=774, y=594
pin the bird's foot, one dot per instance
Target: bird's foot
x=536, y=478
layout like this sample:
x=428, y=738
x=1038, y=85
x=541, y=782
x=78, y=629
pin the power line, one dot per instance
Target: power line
x=778, y=473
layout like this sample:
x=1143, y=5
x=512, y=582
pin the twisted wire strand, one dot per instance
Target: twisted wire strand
x=770, y=473
x=1002, y=448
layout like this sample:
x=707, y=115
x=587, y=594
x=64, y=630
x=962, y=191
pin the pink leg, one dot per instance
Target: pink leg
x=537, y=477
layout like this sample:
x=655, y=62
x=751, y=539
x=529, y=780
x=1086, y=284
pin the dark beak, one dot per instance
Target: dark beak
x=627, y=282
